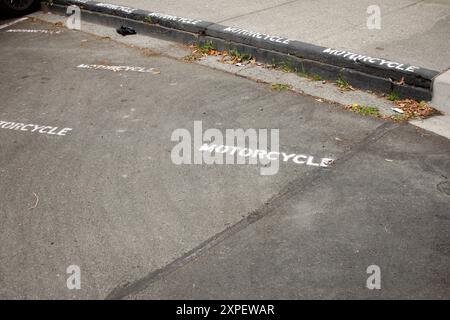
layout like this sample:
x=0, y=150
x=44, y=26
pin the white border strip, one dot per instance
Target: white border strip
x=3, y=26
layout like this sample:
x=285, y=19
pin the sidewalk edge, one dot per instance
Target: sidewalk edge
x=360, y=71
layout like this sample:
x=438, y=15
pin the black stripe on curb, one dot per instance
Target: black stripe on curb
x=361, y=71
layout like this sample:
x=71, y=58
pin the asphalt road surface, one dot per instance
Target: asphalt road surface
x=87, y=179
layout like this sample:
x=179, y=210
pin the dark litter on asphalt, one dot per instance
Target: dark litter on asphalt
x=126, y=31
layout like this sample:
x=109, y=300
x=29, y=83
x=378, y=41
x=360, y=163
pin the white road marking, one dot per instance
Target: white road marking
x=33, y=31
x=118, y=68
x=34, y=128
x=272, y=156
x=6, y=25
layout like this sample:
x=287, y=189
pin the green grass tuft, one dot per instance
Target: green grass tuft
x=281, y=86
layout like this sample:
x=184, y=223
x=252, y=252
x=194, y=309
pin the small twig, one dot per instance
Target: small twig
x=37, y=201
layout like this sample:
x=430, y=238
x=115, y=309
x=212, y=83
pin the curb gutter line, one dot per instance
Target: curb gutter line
x=361, y=71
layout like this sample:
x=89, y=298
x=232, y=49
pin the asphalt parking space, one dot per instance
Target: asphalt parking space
x=319, y=240
x=110, y=198
x=106, y=195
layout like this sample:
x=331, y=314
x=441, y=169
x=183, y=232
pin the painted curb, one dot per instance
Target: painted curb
x=361, y=71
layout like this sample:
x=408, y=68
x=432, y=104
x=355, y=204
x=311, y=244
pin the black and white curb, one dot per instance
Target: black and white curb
x=361, y=71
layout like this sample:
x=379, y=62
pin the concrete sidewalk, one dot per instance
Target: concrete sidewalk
x=412, y=31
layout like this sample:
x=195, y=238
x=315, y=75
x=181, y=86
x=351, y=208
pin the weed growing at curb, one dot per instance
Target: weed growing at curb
x=201, y=50
x=343, y=83
x=364, y=110
x=206, y=48
x=241, y=57
x=281, y=86
x=394, y=96
x=288, y=66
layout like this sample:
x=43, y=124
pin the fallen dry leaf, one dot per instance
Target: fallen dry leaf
x=414, y=108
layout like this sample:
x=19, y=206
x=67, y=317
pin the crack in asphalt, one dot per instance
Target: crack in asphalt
x=291, y=189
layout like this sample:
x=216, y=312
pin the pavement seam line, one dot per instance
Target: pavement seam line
x=122, y=291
